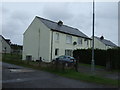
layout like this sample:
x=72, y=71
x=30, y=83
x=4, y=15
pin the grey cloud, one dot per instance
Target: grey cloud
x=14, y=24
x=57, y=11
x=77, y=15
x=5, y=10
x=20, y=16
x=107, y=29
x=107, y=10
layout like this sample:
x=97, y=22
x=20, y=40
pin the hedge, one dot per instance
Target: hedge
x=109, y=57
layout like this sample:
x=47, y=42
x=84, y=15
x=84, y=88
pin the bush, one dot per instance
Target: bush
x=102, y=57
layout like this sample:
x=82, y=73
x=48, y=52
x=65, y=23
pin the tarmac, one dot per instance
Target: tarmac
x=14, y=76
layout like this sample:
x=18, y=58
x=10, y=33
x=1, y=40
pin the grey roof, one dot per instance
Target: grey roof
x=106, y=42
x=63, y=28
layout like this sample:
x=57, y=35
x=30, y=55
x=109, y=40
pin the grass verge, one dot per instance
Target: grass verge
x=98, y=66
x=69, y=73
x=88, y=65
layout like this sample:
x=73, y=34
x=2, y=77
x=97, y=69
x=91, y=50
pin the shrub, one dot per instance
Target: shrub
x=102, y=57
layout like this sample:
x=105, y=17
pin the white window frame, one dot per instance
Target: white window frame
x=56, y=36
x=87, y=42
x=80, y=41
x=68, y=39
x=69, y=52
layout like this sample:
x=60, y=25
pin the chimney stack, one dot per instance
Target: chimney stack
x=101, y=37
x=60, y=23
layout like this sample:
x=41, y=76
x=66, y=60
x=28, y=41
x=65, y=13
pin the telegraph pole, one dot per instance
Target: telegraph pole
x=93, y=61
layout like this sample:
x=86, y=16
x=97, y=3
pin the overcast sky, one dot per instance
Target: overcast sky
x=16, y=17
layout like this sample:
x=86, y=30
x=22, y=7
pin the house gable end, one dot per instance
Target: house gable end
x=107, y=42
x=34, y=22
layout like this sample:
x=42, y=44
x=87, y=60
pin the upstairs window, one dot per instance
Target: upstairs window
x=68, y=39
x=79, y=41
x=86, y=41
x=56, y=36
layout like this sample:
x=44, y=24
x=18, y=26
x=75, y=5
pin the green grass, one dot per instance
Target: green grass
x=11, y=57
x=69, y=73
x=84, y=77
x=88, y=65
x=98, y=66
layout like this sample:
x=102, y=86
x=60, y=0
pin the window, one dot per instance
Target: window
x=56, y=51
x=68, y=52
x=87, y=42
x=56, y=36
x=79, y=40
x=68, y=39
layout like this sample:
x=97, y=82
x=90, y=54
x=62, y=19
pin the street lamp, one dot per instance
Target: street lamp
x=93, y=61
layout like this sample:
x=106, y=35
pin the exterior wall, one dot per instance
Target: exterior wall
x=39, y=41
x=99, y=45
x=3, y=45
x=62, y=45
x=109, y=47
x=36, y=41
x=0, y=44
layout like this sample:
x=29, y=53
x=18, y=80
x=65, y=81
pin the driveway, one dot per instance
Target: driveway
x=14, y=76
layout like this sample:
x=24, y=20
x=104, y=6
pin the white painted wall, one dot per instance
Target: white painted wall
x=99, y=45
x=62, y=45
x=4, y=44
x=109, y=47
x=35, y=43
x=43, y=44
x=0, y=44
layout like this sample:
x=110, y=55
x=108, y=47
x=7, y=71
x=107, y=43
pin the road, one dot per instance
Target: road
x=14, y=76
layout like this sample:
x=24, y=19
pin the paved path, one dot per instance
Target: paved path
x=19, y=77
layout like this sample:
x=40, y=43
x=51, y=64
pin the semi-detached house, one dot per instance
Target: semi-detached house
x=102, y=43
x=45, y=39
x=5, y=45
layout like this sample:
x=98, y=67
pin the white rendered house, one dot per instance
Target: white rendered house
x=5, y=45
x=102, y=43
x=46, y=39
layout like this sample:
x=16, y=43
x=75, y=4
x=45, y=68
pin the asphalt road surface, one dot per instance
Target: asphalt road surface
x=14, y=76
